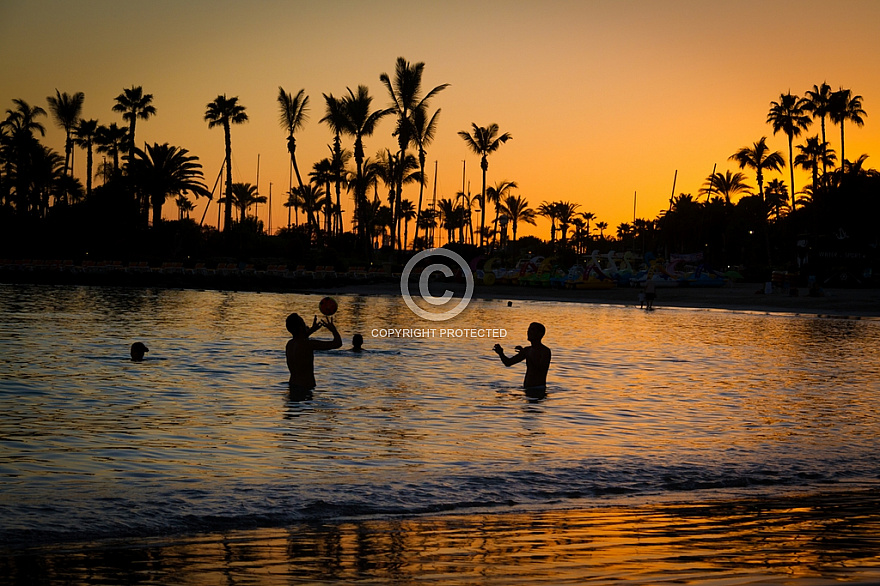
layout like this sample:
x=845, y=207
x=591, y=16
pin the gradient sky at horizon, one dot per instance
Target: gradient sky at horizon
x=604, y=99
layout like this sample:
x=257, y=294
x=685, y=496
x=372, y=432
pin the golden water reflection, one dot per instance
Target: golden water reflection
x=799, y=539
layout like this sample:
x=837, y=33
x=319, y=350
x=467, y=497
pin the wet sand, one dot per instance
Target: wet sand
x=855, y=303
x=796, y=539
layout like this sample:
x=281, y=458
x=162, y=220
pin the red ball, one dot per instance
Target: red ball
x=328, y=306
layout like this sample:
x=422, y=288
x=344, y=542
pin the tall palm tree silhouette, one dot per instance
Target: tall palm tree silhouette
x=225, y=112
x=359, y=121
x=335, y=118
x=165, y=171
x=134, y=104
x=759, y=158
x=294, y=114
x=788, y=116
x=818, y=102
x=846, y=107
x=405, y=92
x=66, y=109
x=483, y=141
x=85, y=133
x=424, y=129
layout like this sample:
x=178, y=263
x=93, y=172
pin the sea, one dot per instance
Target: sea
x=687, y=445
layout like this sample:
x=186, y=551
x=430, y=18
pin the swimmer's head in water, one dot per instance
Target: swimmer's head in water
x=536, y=332
x=357, y=340
x=138, y=350
x=295, y=324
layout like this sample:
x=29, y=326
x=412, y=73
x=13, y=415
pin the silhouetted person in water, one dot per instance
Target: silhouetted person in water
x=138, y=350
x=357, y=342
x=650, y=294
x=300, y=350
x=537, y=357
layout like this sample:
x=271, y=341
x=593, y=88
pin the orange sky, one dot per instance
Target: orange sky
x=603, y=99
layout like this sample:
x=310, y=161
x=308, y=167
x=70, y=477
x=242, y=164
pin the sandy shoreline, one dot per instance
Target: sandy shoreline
x=796, y=539
x=841, y=303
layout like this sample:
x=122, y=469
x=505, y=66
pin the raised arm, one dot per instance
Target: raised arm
x=336, y=342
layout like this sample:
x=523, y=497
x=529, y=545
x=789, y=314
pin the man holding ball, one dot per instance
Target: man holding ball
x=300, y=349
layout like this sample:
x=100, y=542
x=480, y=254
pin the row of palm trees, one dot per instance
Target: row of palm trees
x=793, y=115
x=145, y=173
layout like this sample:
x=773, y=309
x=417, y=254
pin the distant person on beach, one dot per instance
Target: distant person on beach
x=650, y=294
x=300, y=350
x=357, y=342
x=138, y=349
x=537, y=357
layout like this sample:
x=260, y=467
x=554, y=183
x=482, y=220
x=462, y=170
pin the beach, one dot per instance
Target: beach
x=830, y=537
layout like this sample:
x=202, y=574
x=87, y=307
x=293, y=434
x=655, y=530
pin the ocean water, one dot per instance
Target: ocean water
x=677, y=405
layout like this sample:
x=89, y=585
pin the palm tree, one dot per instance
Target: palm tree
x=310, y=197
x=359, y=122
x=846, y=106
x=293, y=117
x=777, y=197
x=811, y=154
x=484, y=141
x=451, y=216
x=322, y=174
x=86, y=131
x=405, y=92
x=394, y=173
x=134, y=104
x=22, y=146
x=550, y=210
x=335, y=118
x=164, y=171
x=496, y=195
x=423, y=131
x=726, y=184
x=407, y=213
x=588, y=217
x=244, y=196
x=110, y=140
x=517, y=209
x=759, y=158
x=818, y=102
x=67, y=109
x=565, y=211
x=225, y=112
x=184, y=207
x=788, y=116
x=602, y=226
x=623, y=230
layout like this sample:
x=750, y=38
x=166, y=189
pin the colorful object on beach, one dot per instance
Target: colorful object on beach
x=328, y=306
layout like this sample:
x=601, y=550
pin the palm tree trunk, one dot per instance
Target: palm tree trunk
x=791, y=168
x=485, y=165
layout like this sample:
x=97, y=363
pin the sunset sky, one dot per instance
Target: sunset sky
x=603, y=99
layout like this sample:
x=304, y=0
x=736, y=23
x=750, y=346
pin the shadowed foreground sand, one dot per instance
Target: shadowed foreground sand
x=801, y=540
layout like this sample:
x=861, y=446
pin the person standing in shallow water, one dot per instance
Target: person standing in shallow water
x=138, y=349
x=300, y=350
x=537, y=357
